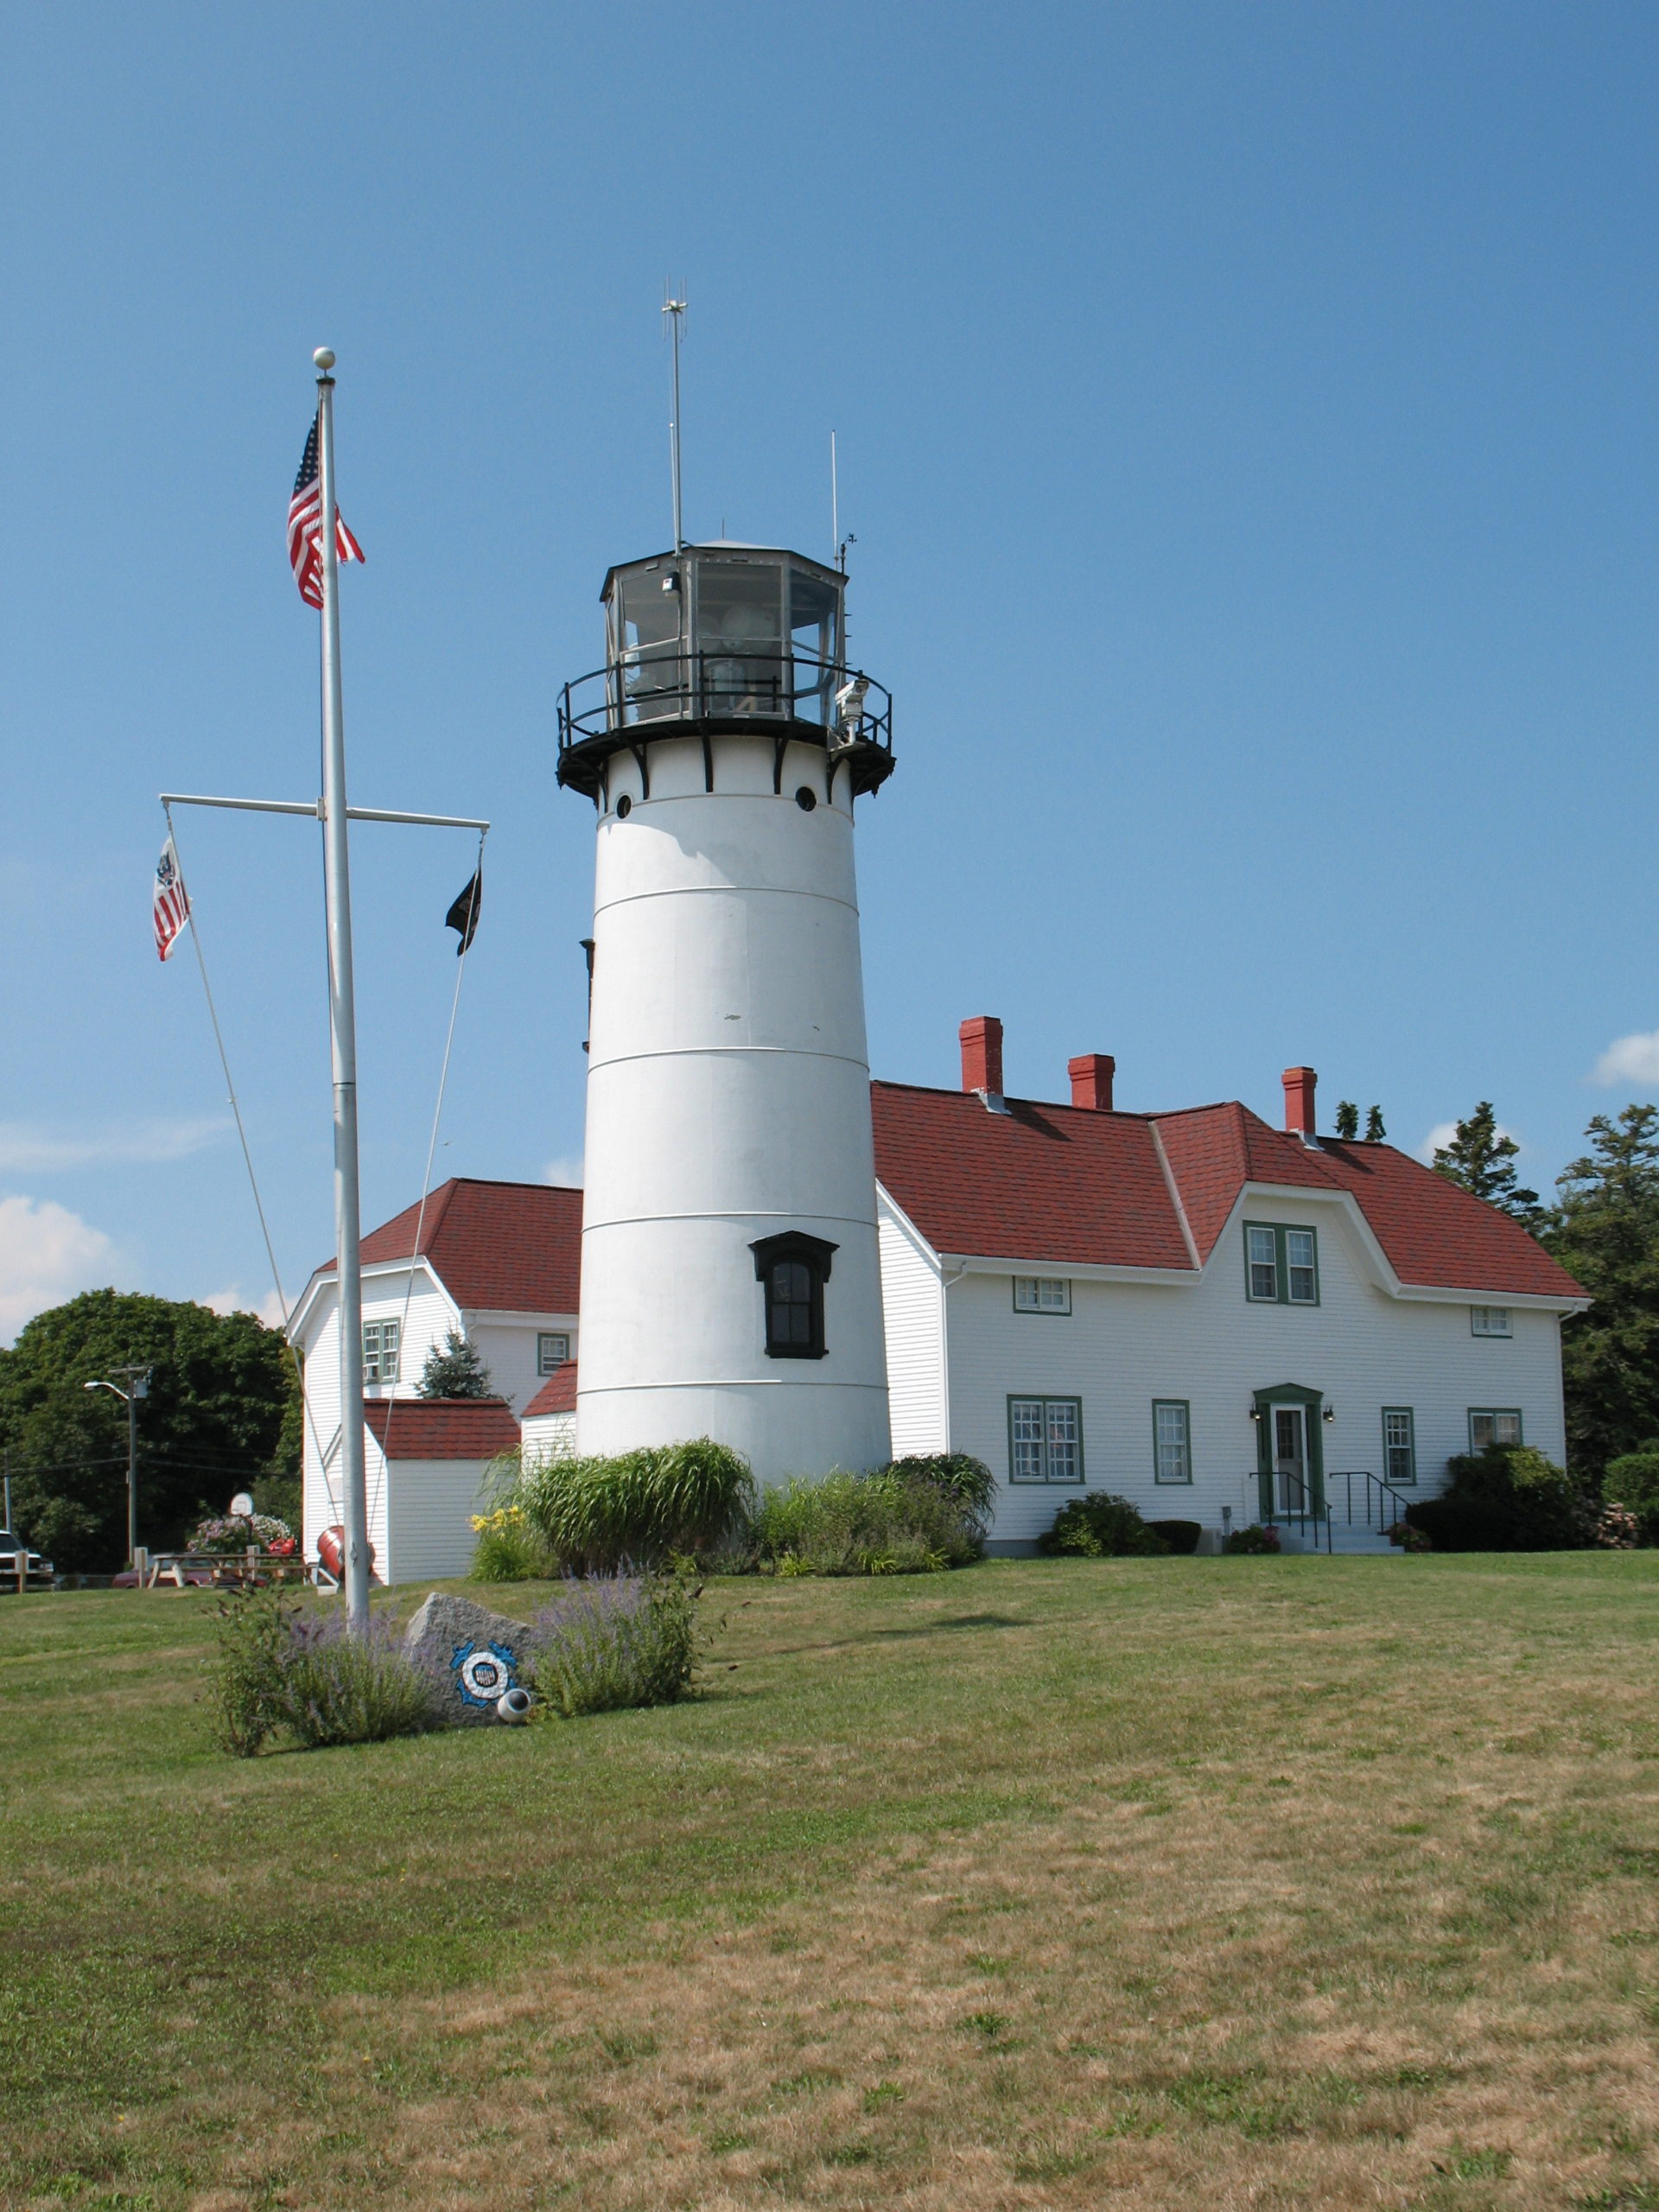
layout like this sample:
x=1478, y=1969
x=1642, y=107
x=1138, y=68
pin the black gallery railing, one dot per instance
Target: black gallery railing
x=651, y=689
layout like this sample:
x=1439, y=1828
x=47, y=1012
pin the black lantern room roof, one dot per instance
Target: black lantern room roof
x=718, y=640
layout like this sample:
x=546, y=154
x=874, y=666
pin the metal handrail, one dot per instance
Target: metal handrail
x=1311, y=1513
x=1383, y=1506
x=645, y=690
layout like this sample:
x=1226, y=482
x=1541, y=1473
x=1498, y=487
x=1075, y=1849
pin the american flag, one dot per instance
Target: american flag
x=171, y=903
x=305, y=526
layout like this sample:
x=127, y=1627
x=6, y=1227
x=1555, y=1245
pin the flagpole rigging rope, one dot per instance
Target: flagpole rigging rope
x=431, y=1152
x=253, y=1180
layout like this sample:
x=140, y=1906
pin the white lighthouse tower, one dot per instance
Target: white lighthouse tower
x=730, y=1280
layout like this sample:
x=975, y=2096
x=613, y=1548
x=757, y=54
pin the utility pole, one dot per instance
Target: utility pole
x=138, y=1381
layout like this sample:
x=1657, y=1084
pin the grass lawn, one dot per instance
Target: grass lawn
x=1195, y=1883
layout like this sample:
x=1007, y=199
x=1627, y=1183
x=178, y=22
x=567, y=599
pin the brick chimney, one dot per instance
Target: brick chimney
x=1299, y=1102
x=981, y=1055
x=1091, y=1080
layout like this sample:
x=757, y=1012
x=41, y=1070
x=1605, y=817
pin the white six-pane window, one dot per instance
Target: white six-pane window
x=1490, y=1321
x=1172, y=1454
x=1042, y=1294
x=380, y=1340
x=1044, y=1441
x=1493, y=1425
x=1264, y=1264
x=1299, y=1266
x=1399, y=1444
x=551, y=1353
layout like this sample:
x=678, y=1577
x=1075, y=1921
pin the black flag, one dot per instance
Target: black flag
x=463, y=915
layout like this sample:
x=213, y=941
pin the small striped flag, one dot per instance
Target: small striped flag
x=305, y=526
x=171, y=902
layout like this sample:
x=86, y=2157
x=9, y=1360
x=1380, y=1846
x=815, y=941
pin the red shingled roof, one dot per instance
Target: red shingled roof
x=1059, y=1183
x=1436, y=1233
x=1069, y=1186
x=507, y=1248
x=1213, y=1151
x=443, y=1428
x=557, y=1395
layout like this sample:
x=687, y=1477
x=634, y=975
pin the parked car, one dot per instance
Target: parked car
x=37, y=1572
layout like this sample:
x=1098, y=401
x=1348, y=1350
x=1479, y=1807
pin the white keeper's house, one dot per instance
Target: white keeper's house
x=1221, y=1320
x=1210, y=1316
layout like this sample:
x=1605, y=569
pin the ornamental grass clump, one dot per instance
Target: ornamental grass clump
x=597, y=1515
x=916, y=1517
x=610, y=1642
x=281, y=1669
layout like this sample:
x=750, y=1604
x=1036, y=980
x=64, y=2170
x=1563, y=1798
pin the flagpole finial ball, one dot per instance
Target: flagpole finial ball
x=324, y=358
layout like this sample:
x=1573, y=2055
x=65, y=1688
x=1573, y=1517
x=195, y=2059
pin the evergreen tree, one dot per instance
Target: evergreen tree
x=456, y=1370
x=1603, y=1228
x=1478, y=1159
x=1347, y=1118
x=221, y=1414
x=1375, y=1132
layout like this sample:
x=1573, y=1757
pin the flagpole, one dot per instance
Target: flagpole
x=342, y=1028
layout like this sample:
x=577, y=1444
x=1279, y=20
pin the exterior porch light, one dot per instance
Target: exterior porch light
x=1256, y=1413
x=1329, y=1414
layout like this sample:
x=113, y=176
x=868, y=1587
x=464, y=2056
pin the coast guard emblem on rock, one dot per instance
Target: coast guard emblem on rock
x=482, y=1671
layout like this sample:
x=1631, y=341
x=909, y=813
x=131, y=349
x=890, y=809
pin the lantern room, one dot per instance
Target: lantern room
x=724, y=639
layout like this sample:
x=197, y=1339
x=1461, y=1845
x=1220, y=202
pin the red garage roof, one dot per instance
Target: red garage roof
x=557, y=1395
x=442, y=1428
x=505, y=1248
x=1071, y=1186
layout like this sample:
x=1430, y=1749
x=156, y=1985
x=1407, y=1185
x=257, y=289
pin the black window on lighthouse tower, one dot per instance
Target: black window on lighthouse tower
x=792, y=1270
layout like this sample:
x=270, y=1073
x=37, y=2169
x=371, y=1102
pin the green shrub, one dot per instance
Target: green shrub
x=611, y=1641
x=244, y=1674
x=1243, y=1542
x=893, y=1521
x=1100, y=1526
x=595, y=1516
x=1507, y=1498
x=1633, y=1483
x=1180, y=1536
x=281, y=1667
x=966, y=1483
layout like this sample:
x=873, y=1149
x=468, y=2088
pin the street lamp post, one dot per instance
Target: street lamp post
x=137, y=1380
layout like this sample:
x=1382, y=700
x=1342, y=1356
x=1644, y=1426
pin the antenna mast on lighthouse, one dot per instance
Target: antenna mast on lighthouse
x=674, y=310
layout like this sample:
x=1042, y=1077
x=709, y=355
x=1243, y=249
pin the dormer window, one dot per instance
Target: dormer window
x=792, y=1270
x=1281, y=1264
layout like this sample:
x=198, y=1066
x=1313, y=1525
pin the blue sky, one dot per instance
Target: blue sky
x=1246, y=418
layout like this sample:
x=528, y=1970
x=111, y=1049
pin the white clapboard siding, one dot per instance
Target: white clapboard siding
x=432, y=1505
x=912, y=1301
x=549, y=1436
x=508, y=1350
x=1124, y=1344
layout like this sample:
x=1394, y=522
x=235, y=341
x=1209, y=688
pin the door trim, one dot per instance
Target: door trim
x=1312, y=1404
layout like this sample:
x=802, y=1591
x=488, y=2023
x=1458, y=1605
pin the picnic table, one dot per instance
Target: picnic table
x=223, y=1570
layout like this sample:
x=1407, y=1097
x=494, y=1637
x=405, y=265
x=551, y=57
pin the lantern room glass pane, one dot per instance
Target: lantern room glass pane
x=814, y=643
x=648, y=645
x=739, y=635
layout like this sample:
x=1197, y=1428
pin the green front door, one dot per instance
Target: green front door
x=1290, y=1460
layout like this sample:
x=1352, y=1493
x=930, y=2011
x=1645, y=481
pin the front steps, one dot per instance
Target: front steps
x=1348, y=1540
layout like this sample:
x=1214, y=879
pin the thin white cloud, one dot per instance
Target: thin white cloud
x=47, y=1255
x=232, y=1301
x=566, y=1170
x=1437, y=1139
x=27, y=1147
x=1630, y=1060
